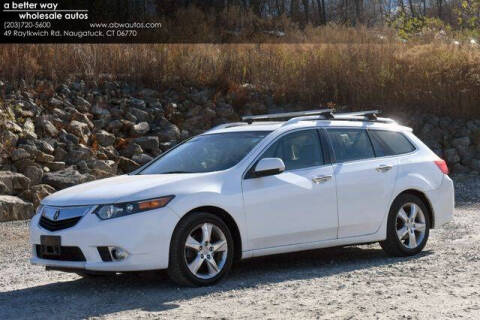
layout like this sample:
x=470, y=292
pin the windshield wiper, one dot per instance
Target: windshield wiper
x=171, y=172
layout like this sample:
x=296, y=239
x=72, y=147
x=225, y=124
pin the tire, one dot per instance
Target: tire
x=398, y=224
x=185, y=258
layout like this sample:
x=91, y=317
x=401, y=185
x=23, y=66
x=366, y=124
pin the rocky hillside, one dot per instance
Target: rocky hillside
x=56, y=137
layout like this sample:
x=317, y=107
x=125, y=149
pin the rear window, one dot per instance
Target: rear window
x=350, y=144
x=390, y=143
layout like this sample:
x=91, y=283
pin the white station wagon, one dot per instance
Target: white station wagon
x=251, y=189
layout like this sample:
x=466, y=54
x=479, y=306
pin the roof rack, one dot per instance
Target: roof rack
x=327, y=113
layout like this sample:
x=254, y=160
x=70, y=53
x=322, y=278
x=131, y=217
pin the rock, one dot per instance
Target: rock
x=34, y=173
x=115, y=126
x=451, y=155
x=105, y=138
x=64, y=178
x=131, y=150
x=20, y=154
x=14, y=183
x=43, y=157
x=150, y=144
x=110, y=152
x=136, y=103
x=83, y=167
x=44, y=146
x=80, y=153
x=80, y=129
x=139, y=129
x=461, y=142
x=475, y=163
x=140, y=115
x=142, y=158
x=100, y=112
x=167, y=131
x=55, y=165
x=59, y=154
x=49, y=128
x=225, y=111
x=3, y=188
x=458, y=168
x=104, y=165
x=36, y=193
x=8, y=139
x=127, y=165
x=13, y=208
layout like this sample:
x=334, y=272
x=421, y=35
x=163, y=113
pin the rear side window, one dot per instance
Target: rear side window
x=389, y=143
x=298, y=150
x=350, y=144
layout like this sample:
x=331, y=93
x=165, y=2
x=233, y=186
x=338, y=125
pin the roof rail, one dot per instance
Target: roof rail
x=327, y=113
x=227, y=125
x=369, y=114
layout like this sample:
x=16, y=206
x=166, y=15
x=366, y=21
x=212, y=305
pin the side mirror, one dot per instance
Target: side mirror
x=269, y=167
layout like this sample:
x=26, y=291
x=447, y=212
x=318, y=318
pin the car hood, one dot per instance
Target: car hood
x=125, y=188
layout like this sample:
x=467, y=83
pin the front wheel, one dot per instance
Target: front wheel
x=408, y=226
x=201, y=252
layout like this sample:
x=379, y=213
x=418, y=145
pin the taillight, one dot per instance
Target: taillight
x=442, y=165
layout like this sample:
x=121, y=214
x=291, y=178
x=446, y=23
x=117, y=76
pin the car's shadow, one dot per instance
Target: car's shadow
x=154, y=292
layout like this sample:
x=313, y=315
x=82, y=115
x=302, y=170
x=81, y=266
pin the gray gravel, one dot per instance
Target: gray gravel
x=341, y=283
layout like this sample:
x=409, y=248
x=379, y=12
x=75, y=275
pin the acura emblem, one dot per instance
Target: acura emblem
x=55, y=216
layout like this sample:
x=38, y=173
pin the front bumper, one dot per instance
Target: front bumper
x=442, y=201
x=145, y=236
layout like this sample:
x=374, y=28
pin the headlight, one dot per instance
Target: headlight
x=110, y=211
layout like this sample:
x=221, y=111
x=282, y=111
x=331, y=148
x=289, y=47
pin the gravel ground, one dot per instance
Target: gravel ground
x=355, y=282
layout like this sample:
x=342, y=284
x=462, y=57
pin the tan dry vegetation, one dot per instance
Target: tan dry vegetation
x=437, y=76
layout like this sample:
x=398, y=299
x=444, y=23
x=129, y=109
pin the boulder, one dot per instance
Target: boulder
x=131, y=149
x=167, y=131
x=64, y=178
x=20, y=154
x=60, y=154
x=13, y=183
x=142, y=158
x=461, y=142
x=36, y=193
x=80, y=129
x=105, y=138
x=451, y=155
x=139, y=129
x=44, y=146
x=104, y=165
x=14, y=208
x=150, y=144
x=127, y=165
x=34, y=173
x=49, y=128
x=44, y=157
x=55, y=165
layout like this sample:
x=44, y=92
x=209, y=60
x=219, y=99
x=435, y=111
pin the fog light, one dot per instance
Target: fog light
x=119, y=253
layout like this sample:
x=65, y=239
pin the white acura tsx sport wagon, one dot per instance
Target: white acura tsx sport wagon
x=250, y=189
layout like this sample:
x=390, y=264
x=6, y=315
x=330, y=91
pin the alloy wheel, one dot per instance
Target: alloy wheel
x=206, y=251
x=410, y=225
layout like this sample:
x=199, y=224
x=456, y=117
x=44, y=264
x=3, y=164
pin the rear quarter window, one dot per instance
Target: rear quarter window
x=390, y=143
x=350, y=144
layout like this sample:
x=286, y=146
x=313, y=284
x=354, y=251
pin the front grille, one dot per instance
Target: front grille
x=66, y=254
x=59, y=224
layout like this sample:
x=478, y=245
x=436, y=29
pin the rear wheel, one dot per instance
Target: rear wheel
x=201, y=252
x=408, y=226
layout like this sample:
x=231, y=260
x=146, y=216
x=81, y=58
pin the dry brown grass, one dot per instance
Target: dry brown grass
x=350, y=67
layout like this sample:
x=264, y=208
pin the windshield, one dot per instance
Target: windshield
x=207, y=153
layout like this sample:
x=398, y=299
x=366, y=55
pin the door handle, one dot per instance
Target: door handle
x=320, y=179
x=383, y=168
